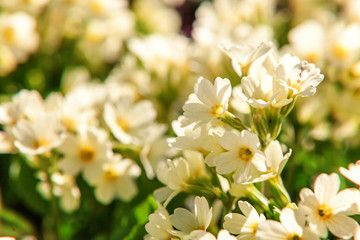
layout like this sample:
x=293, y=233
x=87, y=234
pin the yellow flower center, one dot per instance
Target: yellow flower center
x=9, y=34
x=111, y=175
x=245, y=154
x=340, y=51
x=294, y=237
x=86, y=154
x=41, y=143
x=96, y=7
x=217, y=110
x=313, y=56
x=324, y=212
x=123, y=124
x=70, y=124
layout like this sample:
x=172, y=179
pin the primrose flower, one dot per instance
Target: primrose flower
x=299, y=77
x=243, y=155
x=186, y=221
x=39, y=136
x=128, y=119
x=159, y=225
x=244, y=226
x=243, y=56
x=116, y=180
x=203, y=235
x=178, y=173
x=209, y=100
x=326, y=208
x=18, y=32
x=352, y=173
x=85, y=152
x=290, y=227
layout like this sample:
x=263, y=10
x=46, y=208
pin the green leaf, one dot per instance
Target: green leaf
x=13, y=224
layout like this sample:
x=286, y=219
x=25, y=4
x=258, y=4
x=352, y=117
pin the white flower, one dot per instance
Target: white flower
x=352, y=173
x=289, y=227
x=127, y=119
x=275, y=161
x=299, y=77
x=326, y=208
x=244, y=226
x=178, y=173
x=203, y=235
x=307, y=40
x=159, y=225
x=64, y=187
x=17, y=31
x=203, y=139
x=85, y=152
x=39, y=136
x=243, y=56
x=243, y=155
x=185, y=221
x=116, y=180
x=161, y=53
x=209, y=101
x=344, y=44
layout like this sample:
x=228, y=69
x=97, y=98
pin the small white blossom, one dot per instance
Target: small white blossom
x=352, y=172
x=244, y=226
x=209, y=100
x=326, y=208
x=243, y=155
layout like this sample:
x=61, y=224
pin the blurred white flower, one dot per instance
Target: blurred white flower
x=243, y=155
x=116, y=180
x=242, y=56
x=352, y=172
x=307, y=40
x=326, y=208
x=18, y=32
x=162, y=53
x=86, y=152
x=38, y=136
x=128, y=119
x=243, y=225
x=64, y=187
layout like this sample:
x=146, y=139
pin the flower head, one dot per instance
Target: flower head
x=209, y=100
x=326, y=208
x=243, y=155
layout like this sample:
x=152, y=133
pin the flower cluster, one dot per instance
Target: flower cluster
x=173, y=119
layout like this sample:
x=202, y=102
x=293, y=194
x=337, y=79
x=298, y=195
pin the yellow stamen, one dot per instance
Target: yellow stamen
x=41, y=143
x=294, y=237
x=123, y=123
x=111, y=175
x=96, y=7
x=340, y=51
x=324, y=212
x=9, y=34
x=86, y=154
x=217, y=110
x=245, y=154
